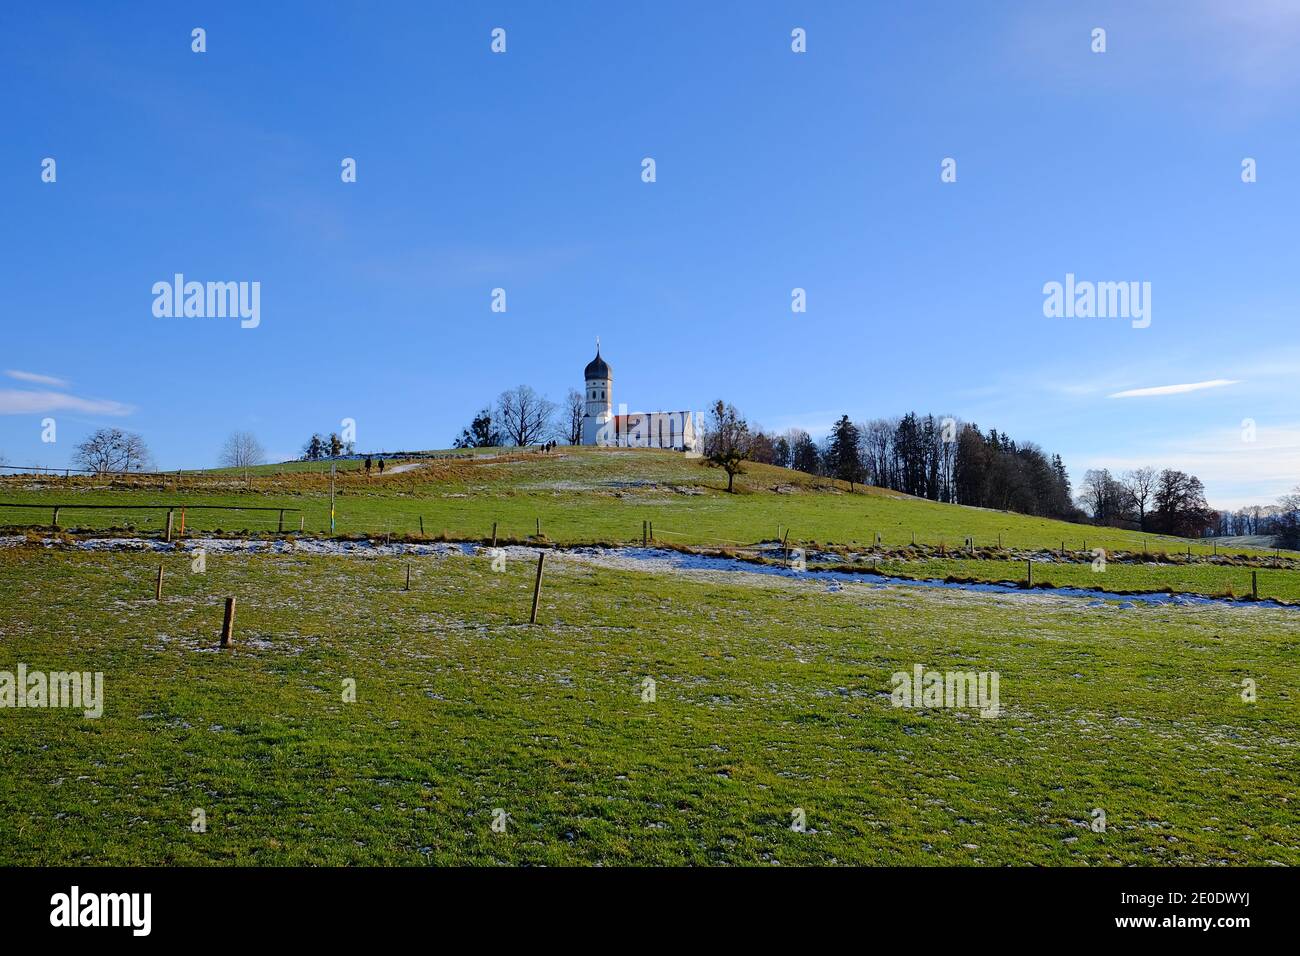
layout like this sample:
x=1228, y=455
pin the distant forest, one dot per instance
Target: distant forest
x=943, y=459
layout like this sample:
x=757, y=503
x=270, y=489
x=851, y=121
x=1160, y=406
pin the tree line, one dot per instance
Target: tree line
x=520, y=416
x=939, y=458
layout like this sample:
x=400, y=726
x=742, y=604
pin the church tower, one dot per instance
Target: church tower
x=600, y=397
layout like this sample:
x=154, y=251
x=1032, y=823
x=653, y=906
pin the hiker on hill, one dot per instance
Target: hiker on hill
x=367, y=466
x=381, y=466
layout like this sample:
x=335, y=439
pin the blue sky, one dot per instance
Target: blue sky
x=775, y=170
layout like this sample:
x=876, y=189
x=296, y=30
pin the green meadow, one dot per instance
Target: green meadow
x=771, y=704
x=579, y=495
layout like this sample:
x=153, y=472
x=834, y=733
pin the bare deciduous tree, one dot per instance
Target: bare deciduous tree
x=576, y=407
x=1140, y=486
x=524, y=416
x=111, y=449
x=242, y=450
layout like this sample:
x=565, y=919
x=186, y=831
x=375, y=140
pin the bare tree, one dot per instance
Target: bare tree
x=111, y=449
x=576, y=407
x=727, y=441
x=1140, y=487
x=136, y=454
x=242, y=450
x=524, y=416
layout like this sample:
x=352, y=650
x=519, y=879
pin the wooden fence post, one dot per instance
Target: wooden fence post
x=421, y=526
x=157, y=594
x=1029, y=571
x=537, y=586
x=302, y=521
x=494, y=534
x=1254, y=585
x=56, y=519
x=644, y=533
x=539, y=527
x=280, y=528
x=182, y=532
x=228, y=624
x=408, y=575
x=652, y=531
x=170, y=515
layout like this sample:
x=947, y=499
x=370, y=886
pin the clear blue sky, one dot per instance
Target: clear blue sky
x=775, y=170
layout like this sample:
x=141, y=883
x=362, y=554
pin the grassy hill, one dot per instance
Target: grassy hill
x=579, y=495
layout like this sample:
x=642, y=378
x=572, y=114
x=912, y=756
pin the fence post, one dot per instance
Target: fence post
x=537, y=586
x=182, y=523
x=644, y=533
x=421, y=526
x=652, y=531
x=1254, y=585
x=170, y=515
x=539, y=527
x=228, y=624
x=157, y=594
x=494, y=534
x=408, y=575
x=56, y=519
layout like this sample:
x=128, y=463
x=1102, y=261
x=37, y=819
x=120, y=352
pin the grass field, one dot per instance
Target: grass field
x=772, y=696
x=580, y=495
x=585, y=495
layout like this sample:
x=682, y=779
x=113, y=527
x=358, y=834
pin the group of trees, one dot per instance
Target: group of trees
x=929, y=457
x=1165, y=502
x=1280, y=521
x=520, y=416
x=326, y=446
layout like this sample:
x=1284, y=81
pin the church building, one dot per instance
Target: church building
x=600, y=426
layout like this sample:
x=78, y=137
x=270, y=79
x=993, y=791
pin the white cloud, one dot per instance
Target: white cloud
x=36, y=379
x=16, y=402
x=1174, y=389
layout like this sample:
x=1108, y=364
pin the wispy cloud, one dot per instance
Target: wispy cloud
x=17, y=402
x=1174, y=389
x=36, y=378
